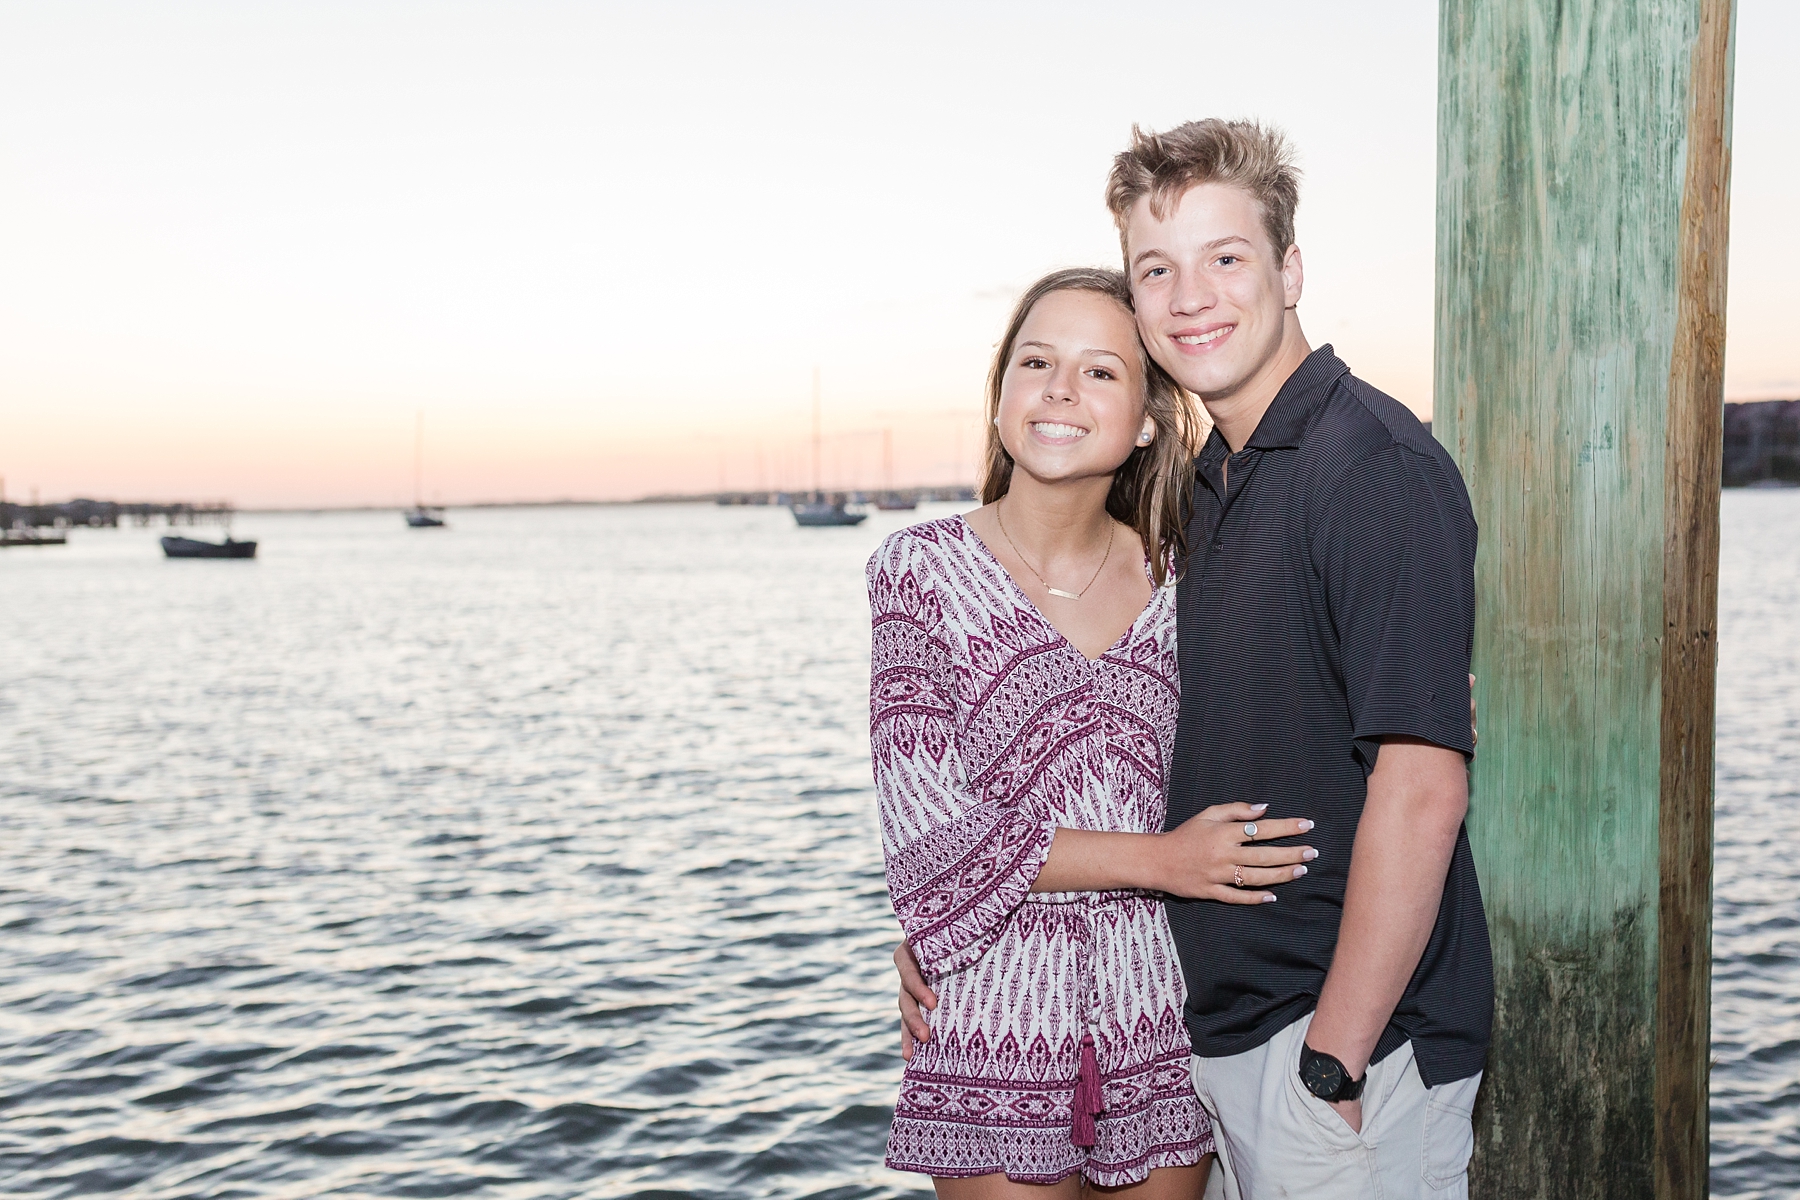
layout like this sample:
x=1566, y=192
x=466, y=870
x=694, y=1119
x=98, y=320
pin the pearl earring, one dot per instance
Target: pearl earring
x=1145, y=438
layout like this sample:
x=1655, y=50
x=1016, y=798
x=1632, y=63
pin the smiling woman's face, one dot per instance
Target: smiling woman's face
x=1072, y=396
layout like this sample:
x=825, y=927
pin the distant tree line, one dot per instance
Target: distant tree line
x=1762, y=443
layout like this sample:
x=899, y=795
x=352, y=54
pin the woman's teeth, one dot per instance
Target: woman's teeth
x=1050, y=429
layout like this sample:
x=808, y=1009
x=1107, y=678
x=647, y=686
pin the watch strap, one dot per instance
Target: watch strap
x=1315, y=1065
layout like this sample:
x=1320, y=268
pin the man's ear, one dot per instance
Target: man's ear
x=1293, y=277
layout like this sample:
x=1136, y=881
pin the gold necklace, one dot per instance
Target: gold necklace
x=1112, y=532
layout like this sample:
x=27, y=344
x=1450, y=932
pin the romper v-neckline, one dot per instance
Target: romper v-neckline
x=1123, y=638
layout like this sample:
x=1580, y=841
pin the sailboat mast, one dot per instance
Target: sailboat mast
x=818, y=488
x=419, y=460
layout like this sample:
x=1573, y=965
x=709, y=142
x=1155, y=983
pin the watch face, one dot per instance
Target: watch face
x=1322, y=1075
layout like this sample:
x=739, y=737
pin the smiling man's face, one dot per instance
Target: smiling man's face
x=1213, y=297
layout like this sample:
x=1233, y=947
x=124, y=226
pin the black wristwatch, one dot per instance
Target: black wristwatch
x=1326, y=1078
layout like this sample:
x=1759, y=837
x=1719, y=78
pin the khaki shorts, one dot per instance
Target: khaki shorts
x=1276, y=1139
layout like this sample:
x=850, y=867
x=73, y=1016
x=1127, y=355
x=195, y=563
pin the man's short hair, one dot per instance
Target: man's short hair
x=1246, y=154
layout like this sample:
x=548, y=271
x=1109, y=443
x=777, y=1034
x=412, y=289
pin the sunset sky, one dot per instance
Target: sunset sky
x=602, y=247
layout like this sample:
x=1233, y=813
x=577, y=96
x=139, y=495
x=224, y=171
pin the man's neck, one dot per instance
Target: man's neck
x=1239, y=412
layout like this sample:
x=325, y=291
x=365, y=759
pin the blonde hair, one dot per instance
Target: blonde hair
x=1152, y=491
x=1245, y=154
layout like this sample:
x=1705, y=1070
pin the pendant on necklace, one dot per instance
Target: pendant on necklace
x=1064, y=595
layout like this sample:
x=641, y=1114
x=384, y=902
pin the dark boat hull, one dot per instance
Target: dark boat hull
x=425, y=518
x=31, y=537
x=180, y=547
x=817, y=515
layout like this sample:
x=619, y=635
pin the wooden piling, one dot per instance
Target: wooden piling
x=1583, y=167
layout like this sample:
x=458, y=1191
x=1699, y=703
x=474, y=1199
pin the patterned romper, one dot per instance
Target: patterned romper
x=1058, y=1044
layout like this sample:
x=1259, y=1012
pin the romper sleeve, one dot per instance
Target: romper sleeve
x=958, y=863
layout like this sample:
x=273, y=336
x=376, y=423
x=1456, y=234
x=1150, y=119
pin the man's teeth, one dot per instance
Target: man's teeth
x=1200, y=339
x=1051, y=429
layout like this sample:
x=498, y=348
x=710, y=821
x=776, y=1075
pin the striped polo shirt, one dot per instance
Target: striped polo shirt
x=1328, y=601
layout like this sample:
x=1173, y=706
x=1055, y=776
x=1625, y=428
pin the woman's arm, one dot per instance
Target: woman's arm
x=1200, y=859
x=958, y=864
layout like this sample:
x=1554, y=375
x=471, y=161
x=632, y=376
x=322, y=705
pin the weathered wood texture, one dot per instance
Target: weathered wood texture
x=1583, y=158
x=1693, y=450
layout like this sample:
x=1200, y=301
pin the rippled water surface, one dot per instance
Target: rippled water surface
x=531, y=857
x=534, y=857
x=1756, y=873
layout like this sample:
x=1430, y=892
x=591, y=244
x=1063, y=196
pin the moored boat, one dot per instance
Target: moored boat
x=891, y=500
x=819, y=511
x=185, y=547
x=32, y=537
x=421, y=516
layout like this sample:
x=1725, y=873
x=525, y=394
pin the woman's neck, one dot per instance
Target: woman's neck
x=1055, y=521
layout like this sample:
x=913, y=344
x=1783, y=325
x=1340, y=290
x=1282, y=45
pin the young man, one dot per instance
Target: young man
x=1325, y=620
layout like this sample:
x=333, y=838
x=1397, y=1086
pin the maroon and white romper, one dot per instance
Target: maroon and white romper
x=1058, y=1044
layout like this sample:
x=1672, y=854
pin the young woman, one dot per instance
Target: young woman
x=1023, y=699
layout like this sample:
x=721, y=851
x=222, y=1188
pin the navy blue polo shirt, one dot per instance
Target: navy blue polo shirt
x=1328, y=601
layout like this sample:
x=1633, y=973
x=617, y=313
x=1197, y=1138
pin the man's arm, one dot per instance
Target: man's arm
x=915, y=997
x=1418, y=796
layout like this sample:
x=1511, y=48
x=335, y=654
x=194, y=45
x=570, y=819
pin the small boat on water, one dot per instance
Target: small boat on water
x=820, y=511
x=186, y=547
x=891, y=500
x=421, y=516
x=32, y=537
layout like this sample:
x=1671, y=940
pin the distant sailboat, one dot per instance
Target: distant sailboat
x=892, y=501
x=819, y=511
x=422, y=517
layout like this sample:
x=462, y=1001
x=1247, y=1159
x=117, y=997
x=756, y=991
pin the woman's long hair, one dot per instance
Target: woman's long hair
x=1153, y=490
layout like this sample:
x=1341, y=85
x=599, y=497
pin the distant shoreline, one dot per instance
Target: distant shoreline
x=729, y=499
x=1761, y=446
x=321, y=509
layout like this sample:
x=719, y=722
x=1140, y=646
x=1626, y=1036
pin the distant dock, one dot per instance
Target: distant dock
x=48, y=524
x=917, y=495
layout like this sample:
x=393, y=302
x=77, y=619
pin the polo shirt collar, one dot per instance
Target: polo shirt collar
x=1306, y=390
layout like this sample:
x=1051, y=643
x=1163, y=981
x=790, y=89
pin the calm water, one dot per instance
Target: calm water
x=533, y=858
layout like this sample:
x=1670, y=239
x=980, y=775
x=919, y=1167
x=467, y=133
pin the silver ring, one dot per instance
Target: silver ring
x=1250, y=829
